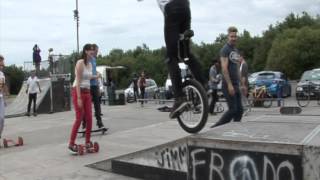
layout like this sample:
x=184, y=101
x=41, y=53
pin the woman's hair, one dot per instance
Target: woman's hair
x=1, y=58
x=86, y=47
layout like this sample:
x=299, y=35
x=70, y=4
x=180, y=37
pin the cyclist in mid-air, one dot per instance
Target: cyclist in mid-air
x=177, y=16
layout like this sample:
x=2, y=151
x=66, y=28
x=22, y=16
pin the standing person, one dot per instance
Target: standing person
x=230, y=65
x=177, y=15
x=94, y=88
x=2, y=94
x=142, y=86
x=81, y=96
x=214, y=80
x=32, y=85
x=135, y=86
x=244, y=83
x=50, y=58
x=36, y=57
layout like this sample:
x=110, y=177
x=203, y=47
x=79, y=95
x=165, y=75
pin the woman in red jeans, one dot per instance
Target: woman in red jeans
x=81, y=96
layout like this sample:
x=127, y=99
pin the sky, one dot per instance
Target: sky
x=126, y=24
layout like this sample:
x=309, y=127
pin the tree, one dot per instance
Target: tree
x=295, y=51
x=15, y=77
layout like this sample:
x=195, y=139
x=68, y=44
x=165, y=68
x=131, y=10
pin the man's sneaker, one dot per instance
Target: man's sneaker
x=35, y=114
x=73, y=149
x=178, y=105
x=100, y=125
x=28, y=114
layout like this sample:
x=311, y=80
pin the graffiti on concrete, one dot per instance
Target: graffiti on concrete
x=174, y=158
x=217, y=164
x=311, y=162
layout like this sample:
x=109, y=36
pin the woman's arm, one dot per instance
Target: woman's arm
x=78, y=72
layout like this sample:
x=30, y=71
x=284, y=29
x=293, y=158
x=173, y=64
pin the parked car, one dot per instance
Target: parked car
x=273, y=80
x=309, y=82
x=151, y=90
x=252, y=79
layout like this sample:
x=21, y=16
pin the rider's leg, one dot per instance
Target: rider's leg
x=29, y=104
x=97, y=106
x=193, y=63
x=239, y=108
x=1, y=115
x=232, y=108
x=213, y=101
x=87, y=109
x=172, y=31
x=79, y=117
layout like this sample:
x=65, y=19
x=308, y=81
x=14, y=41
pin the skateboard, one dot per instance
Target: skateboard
x=82, y=149
x=290, y=110
x=102, y=130
x=9, y=142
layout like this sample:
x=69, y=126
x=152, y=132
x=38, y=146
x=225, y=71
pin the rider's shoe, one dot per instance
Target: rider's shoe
x=100, y=125
x=178, y=105
x=73, y=149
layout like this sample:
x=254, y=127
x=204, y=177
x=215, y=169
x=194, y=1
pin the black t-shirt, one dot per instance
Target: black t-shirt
x=233, y=56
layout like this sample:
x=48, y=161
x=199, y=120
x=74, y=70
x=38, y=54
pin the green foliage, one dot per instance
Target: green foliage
x=295, y=51
x=15, y=77
x=266, y=42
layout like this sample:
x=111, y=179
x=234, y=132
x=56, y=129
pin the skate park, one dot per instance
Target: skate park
x=265, y=145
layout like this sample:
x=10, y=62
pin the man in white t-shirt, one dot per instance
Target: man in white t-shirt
x=32, y=89
x=2, y=93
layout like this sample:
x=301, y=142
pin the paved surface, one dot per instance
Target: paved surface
x=132, y=128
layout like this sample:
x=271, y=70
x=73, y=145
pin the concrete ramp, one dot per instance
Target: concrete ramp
x=19, y=106
x=267, y=148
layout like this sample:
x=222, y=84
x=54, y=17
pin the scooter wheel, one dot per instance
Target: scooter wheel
x=5, y=143
x=96, y=147
x=20, y=141
x=80, y=150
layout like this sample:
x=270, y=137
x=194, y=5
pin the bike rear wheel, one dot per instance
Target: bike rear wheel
x=194, y=116
x=303, y=99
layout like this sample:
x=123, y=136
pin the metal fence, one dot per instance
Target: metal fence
x=58, y=64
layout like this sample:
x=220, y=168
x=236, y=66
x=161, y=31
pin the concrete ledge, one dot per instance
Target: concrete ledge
x=262, y=149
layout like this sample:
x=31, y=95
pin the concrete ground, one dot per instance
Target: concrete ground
x=45, y=157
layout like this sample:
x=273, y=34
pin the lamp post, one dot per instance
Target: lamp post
x=76, y=18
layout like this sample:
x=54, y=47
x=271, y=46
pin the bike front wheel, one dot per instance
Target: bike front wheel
x=194, y=116
x=267, y=101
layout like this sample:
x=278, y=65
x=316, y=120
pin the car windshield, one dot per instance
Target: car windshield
x=150, y=83
x=253, y=75
x=266, y=76
x=311, y=75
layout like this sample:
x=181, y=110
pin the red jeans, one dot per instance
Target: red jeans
x=85, y=111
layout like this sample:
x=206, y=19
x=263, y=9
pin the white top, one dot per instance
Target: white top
x=162, y=4
x=2, y=83
x=86, y=77
x=33, y=87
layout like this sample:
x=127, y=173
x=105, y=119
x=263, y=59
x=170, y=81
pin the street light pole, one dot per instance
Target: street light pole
x=76, y=18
